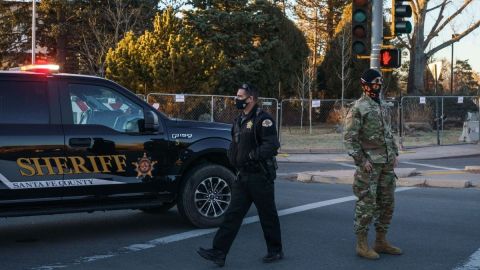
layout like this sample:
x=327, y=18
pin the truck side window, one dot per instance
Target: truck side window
x=24, y=103
x=97, y=105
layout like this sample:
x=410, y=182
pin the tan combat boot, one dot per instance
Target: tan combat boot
x=382, y=246
x=362, y=248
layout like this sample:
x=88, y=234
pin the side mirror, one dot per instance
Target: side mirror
x=151, y=121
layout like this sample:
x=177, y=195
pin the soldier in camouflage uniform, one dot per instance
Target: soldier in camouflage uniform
x=370, y=142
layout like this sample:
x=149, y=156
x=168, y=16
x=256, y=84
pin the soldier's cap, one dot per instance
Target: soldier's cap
x=371, y=76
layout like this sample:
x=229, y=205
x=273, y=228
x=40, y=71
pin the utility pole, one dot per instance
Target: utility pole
x=314, y=72
x=451, y=67
x=451, y=73
x=437, y=117
x=377, y=33
x=33, y=31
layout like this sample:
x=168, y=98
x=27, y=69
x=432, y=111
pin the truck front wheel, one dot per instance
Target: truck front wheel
x=206, y=195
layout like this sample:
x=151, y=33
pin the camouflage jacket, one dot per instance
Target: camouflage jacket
x=368, y=133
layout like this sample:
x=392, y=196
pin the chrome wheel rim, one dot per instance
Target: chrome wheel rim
x=212, y=197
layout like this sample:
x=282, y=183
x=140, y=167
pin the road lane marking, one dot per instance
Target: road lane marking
x=346, y=165
x=473, y=262
x=411, y=163
x=431, y=166
x=196, y=233
x=442, y=172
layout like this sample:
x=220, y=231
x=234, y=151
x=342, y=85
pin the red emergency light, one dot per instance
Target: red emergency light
x=47, y=68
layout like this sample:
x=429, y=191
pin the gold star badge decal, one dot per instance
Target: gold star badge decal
x=249, y=124
x=144, y=166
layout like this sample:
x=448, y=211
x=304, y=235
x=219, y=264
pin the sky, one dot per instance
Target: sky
x=469, y=46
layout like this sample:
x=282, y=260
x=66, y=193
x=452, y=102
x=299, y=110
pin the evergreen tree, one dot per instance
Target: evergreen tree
x=465, y=83
x=332, y=63
x=260, y=44
x=15, y=33
x=170, y=59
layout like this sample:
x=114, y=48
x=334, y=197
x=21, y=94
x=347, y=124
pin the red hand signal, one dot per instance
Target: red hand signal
x=386, y=57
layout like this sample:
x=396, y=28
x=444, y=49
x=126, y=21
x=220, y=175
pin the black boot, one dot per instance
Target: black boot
x=214, y=255
x=273, y=256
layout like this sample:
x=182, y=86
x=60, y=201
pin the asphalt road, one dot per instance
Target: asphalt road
x=437, y=229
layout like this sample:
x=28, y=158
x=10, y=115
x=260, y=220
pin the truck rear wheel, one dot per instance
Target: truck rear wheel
x=206, y=195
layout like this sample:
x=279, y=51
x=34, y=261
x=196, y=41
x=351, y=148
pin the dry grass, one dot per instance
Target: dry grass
x=419, y=113
x=321, y=138
x=326, y=138
x=422, y=138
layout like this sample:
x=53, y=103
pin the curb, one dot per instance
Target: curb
x=448, y=183
x=472, y=168
x=405, y=179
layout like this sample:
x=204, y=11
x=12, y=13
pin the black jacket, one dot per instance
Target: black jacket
x=254, y=138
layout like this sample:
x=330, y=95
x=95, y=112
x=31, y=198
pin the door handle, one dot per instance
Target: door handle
x=80, y=142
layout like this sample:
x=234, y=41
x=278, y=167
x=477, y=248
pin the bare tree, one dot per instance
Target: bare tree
x=304, y=84
x=343, y=71
x=420, y=44
x=106, y=27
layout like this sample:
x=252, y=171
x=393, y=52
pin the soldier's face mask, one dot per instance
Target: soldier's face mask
x=373, y=90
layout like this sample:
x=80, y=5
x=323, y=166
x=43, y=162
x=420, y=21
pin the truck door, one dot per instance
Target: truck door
x=107, y=150
x=31, y=139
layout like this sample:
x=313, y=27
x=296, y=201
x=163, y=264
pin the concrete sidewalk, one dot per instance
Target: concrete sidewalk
x=469, y=177
x=408, y=154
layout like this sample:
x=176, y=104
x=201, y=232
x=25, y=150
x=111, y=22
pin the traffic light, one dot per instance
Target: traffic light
x=361, y=11
x=401, y=10
x=390, y=58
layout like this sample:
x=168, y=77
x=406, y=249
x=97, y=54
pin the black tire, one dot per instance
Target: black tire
x=159, y=209
x=196, y=204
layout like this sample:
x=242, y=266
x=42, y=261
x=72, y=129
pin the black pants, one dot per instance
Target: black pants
x=248, y=188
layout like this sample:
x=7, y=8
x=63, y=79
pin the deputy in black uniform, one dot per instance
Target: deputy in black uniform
x=252, y=152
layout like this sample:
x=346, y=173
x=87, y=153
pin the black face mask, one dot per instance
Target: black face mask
x=373, y=93
x=241, y=103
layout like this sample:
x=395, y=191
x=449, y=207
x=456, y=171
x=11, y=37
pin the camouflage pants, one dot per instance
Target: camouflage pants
x=375, y=192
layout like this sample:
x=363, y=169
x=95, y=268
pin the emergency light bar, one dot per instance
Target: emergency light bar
x=48, y=68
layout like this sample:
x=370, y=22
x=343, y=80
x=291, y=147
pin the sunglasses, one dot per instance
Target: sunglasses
x=378, y=80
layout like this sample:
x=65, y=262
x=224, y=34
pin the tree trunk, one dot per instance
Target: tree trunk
x=61, y=41
x=416, y=72
x=331, y=19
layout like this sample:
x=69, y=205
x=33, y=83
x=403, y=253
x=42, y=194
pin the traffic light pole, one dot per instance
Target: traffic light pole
x=377, y=33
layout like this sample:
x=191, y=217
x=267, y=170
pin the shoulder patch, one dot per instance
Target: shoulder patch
x=267, y=123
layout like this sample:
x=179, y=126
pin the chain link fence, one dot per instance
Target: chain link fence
x=395, y=113
x=436, y=120
x=322, y=130
x=416, y=121
x=210, y=108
